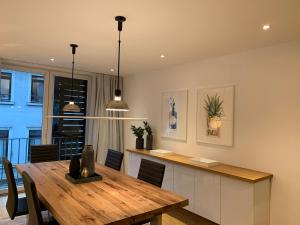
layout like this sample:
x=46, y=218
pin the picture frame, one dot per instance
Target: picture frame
x=215, y=115
x=174, y=114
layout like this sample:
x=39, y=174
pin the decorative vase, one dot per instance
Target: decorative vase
x=149, y=142
x=74, y=168
x=85, y=172
x=139, y=143
x=172, y=115
x=87, y=160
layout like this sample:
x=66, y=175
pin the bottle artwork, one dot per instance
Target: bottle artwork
x=172, y=114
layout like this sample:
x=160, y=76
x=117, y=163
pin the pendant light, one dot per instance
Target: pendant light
x=117, y=104
x=71, y=106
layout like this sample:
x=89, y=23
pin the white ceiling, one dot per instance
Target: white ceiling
x=183, y=30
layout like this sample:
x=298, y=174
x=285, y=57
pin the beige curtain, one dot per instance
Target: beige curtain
x=106, y=133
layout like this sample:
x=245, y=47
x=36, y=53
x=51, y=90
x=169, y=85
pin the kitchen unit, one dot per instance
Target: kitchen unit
x=224, y=194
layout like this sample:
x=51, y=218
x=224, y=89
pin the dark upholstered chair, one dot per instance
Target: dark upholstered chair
x=15, y=206
x=43, y=153
x=34, y=208
x=153, y=173
x=114, y=159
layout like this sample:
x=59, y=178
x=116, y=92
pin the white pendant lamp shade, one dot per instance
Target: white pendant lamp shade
x=71, y=106
x=118, y=104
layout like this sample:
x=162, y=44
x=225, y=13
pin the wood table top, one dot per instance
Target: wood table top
x=117, y=199
x=244, y=174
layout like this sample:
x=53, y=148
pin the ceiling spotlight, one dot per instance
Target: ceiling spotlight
x=112, y=70
x=52, y=59
x=266, y=27
x=162, y=56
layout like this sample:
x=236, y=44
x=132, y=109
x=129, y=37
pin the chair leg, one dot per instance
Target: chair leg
x=156, y=220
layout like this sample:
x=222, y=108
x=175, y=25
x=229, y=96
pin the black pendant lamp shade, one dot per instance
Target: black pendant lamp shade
x=71, y=106
x=117, y=104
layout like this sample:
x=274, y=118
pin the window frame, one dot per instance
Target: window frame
x=30, y=102
x=10, y=101
x=8, y=137
x=35, y=129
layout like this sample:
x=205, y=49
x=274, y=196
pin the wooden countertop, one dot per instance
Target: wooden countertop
x=244, y=174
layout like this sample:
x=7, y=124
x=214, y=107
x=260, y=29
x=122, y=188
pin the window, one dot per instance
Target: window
x=69, y=133
x=35, y=137
x=4, y=135
x=37, y=89
x=5, y=87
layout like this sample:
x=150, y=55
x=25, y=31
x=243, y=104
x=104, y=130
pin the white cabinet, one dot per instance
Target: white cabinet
x=207, y=195
x=133, y=164
x=184, y=184
x=245, y=203
x=221, y=199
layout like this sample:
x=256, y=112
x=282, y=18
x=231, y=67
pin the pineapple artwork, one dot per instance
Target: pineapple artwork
x=213, y=106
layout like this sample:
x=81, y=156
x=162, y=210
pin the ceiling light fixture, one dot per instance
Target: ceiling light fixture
x=162, y=56
x=52, y=59
x=117, y=104
x=266, y=27
x=71, y=106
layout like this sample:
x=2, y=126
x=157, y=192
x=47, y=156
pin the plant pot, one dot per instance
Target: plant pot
x=149, y=142
x=213, y=126
x=139, y=143
x=88, y=161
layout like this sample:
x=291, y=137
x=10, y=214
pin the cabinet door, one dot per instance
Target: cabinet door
x=237, y=202
x=134, y=161
x=207, y=195
x=184, y=184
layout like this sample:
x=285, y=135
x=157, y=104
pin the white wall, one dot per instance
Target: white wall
x=267, y=115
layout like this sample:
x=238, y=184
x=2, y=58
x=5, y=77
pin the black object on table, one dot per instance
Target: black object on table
x=81, y=180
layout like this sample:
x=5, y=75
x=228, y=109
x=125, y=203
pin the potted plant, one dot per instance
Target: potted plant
x=215, y=112
x=139, y=133
x=149, y=138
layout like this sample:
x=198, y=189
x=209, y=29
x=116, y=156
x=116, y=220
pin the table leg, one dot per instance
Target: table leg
x=156, y=220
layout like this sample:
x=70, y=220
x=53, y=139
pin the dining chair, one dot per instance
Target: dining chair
x=44, y=153
x=153, y=173
x=34, y=208
x=15, y=206
x=114, y=159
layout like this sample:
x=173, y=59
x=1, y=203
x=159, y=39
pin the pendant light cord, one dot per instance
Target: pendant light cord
x=72, y=96
x=119, y=50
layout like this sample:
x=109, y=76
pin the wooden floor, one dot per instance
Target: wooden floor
x=177, y=217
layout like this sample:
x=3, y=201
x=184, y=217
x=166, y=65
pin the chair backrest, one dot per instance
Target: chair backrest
x=34, y=209
x=12, y=198
x=151, y=172
x=43, y=153
x=114, y=159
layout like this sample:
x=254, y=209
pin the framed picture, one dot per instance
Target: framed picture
x=174, y=114
x=215, y=107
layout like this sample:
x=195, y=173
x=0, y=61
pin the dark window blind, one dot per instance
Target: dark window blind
x=69, y=133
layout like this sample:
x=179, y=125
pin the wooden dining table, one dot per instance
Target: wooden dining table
x=116, y=199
